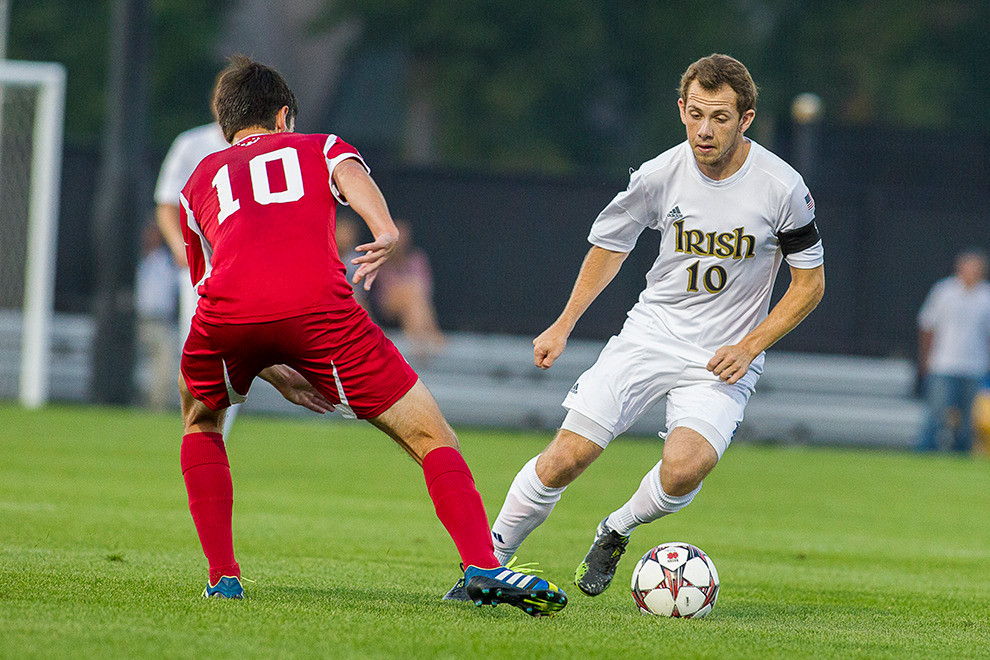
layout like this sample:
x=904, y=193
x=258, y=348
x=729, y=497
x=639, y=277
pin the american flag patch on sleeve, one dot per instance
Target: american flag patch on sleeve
x=810, y=200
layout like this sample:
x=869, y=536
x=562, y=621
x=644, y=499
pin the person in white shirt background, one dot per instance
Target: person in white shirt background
x=156, y=295
x=954, y=352
x=186, y=152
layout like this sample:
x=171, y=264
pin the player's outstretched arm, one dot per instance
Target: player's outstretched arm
x=295, y=388
x=170, y=225
x=364, y=196
x=730, y=363
x=598, y=269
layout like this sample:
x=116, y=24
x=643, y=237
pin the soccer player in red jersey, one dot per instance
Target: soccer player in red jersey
x=274, y=301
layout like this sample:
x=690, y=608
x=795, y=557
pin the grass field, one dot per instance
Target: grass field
x=824, y=553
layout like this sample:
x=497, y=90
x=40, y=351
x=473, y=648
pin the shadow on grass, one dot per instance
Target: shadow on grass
x=369, y=598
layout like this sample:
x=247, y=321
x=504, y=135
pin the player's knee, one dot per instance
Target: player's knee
x=680, y=476
x=565, y=459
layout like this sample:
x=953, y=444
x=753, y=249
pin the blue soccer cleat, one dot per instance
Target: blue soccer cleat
x=226, y=587
x=534, y=596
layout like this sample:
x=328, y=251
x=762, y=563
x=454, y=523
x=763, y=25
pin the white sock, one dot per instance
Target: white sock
x=527, y=505
x=647, y=504
x=228, y=420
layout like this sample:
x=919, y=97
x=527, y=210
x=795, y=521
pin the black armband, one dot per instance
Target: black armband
x=798, y=239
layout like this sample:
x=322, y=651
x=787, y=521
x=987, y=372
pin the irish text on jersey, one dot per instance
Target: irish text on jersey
x=736, y=244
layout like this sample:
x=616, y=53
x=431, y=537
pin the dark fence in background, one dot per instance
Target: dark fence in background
x=893, y=209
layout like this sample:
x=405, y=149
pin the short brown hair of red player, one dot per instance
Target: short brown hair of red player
x=716, y=70
x=251, y=94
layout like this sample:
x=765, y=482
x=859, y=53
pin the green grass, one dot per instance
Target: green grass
x=824, y=553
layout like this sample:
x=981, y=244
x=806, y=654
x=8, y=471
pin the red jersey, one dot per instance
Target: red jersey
x=258, y=221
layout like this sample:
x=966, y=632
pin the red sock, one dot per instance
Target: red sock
x=211, y=499
x=459, y=506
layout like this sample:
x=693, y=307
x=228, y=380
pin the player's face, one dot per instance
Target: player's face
x=714, y=128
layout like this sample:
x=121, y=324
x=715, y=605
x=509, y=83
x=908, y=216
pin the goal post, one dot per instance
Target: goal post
x=40, y=222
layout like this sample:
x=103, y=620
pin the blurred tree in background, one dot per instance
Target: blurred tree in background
x=565, y=85
x=184, y=59
x=561, y=85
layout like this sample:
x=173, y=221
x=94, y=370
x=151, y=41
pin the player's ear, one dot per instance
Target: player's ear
x=282, y=122
x=680, y=108
x=746, y=120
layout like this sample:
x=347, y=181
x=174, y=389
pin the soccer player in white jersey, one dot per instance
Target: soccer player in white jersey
x=186, y=152
x=727, y=211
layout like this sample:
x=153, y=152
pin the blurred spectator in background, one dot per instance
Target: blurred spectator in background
x=954, y=352
x=981, y=418
x=403, y=295
x=347, y=236
x=157, y=293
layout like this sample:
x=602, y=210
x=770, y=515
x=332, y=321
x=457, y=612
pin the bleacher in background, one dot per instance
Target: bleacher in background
x=490, y=381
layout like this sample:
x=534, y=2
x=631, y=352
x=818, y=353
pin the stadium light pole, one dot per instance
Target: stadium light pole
x=807, y=111
x=122, y=202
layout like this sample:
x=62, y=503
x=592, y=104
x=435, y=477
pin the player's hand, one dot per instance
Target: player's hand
x=548, y=346
x=291, y=384
x=730, y=363
x=375, y=255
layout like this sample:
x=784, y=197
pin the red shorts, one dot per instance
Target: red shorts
x=345, y=356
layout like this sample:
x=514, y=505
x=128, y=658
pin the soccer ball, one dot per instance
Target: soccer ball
x=676, y=580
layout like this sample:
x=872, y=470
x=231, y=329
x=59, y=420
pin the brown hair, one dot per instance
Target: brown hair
x=716, y=70
x=250, y=94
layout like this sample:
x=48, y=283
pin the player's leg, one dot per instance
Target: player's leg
x=702, y=415
x=667, y=488
x=417, y=425
x=538, y=486
x=599, y=409
x=206, y=472
x=207, y=384
x=672, y=483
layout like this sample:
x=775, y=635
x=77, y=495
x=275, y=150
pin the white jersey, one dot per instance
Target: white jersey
x=720, y=243
x=186, y=152
x=959, y=319
x=188, y=149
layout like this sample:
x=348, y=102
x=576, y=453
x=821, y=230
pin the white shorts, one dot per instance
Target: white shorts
x=640, y=366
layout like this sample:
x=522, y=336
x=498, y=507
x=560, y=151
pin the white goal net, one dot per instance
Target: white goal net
x=32, y=101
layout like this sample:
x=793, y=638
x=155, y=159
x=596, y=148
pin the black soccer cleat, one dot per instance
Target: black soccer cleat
x=458, y=592
x=595, y=573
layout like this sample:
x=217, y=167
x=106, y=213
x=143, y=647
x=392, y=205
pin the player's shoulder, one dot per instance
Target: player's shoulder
x=777, y=170
x=325, y=142
x=665, y=163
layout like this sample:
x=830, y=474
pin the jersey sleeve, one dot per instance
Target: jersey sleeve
x=170, y=177
x=336, y=152
x=619, y=225
x=797, y=232
x=197, y=247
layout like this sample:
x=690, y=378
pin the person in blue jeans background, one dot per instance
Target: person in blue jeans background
x=954, y=352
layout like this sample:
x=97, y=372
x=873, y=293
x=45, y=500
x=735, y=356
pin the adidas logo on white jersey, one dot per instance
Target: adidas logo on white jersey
x=675, y=213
